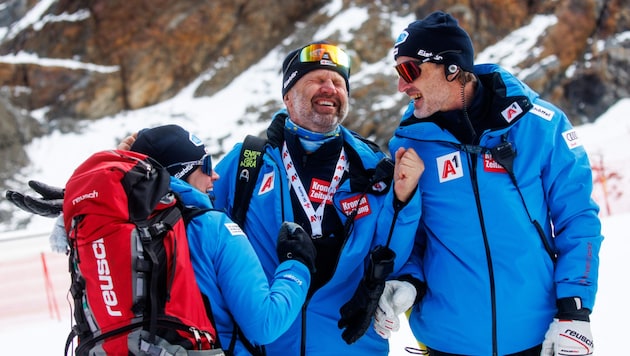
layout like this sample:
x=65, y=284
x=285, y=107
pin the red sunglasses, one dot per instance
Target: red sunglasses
x=409, y=70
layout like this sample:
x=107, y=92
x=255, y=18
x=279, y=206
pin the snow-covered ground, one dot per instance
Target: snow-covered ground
x=35, y=320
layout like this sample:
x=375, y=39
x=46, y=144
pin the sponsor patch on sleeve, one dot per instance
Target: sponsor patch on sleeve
x=542, y=112
x=267, y=183
x=511, y=112
x=572, y=139
x=234, y=229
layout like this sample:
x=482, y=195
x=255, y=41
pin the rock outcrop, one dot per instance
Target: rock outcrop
x=138, y=53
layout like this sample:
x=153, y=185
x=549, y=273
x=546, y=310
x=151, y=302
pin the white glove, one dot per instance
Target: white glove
x=58, y=238
x=568, y=337
x=397, y=298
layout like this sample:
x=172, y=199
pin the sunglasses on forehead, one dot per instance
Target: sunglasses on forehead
x=409, y=70
x=205, y=162
x=323, y=53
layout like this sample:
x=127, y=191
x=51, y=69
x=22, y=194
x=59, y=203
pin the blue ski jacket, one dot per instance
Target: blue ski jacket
x=315, y=331
x=496, y=252
x=230, y=275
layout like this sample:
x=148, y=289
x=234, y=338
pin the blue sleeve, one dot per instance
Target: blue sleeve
x=568, y=184
x=399, y=224
x=263, y=310
x=414, y=265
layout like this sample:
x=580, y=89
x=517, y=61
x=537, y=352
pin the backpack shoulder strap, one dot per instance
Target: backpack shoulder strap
x=249, y=163
x=191, y=212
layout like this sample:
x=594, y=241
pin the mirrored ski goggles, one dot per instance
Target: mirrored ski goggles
x=409, y=70
x=205, y=162
x=318, y=52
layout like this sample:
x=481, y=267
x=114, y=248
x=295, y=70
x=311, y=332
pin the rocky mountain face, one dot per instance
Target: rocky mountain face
x=141, y=52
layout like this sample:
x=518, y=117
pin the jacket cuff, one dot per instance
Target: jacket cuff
x=571, y=309
x=421, y=287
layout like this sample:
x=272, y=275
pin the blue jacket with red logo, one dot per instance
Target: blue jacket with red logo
x=341, y=258
x=230, y=275
x=496, y=251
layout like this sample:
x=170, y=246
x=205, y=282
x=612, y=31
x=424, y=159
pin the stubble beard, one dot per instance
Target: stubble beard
x=309, y=118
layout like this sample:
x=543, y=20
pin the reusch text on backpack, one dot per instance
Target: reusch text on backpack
x=133, y=285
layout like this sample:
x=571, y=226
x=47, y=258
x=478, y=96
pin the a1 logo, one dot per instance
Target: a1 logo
x=450, y=167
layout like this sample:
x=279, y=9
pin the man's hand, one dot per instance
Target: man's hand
x=126, y=143
x=568, y=337
x=49, y=205
x=397, y=297
x=296, y=244
x=570, y=331
x=356, y=314
x=407, y=171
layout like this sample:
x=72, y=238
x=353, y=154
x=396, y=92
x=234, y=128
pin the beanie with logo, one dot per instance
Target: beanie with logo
x=172, y=146
x=437, y=38
x=313, y=56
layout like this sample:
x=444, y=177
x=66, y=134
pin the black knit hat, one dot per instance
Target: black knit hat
x=293, y=68
x=169, y=145
x=437, y=38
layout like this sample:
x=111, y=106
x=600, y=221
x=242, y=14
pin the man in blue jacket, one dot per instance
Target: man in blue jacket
x=509, y=237
x=339, y=188
x=226, y=267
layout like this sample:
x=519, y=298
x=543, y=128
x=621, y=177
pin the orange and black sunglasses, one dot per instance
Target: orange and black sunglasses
x=409, y=70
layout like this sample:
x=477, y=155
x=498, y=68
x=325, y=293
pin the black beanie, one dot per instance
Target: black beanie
x=293, y=69
x=169, y=145
x=436, y=38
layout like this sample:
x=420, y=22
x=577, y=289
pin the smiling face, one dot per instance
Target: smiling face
x=431, y=91
x=318, y=101
x=202, y=181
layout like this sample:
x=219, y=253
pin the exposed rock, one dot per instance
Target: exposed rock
x=16, y=129
x=146, y=50
x=138, y=53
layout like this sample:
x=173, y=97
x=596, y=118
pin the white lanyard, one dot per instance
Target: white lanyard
x=314, y=217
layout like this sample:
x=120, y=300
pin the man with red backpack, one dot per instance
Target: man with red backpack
x=246, y=309
x=227, y=269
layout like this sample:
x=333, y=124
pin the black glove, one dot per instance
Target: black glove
x=357, y=313
x=295, y=244
x=50, y=204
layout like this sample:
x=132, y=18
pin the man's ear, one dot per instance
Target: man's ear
x=450, y=72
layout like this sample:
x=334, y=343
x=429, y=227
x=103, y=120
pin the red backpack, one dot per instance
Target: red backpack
x=133, y=285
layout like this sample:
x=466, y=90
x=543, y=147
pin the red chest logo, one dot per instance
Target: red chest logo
x=318, y=191
x=351, y=204
x=490, y=165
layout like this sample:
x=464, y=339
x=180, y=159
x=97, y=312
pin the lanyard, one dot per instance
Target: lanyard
x=314, y=216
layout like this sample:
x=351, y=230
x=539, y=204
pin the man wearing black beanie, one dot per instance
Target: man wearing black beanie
x=507, y=250
x=332, y=58
x=361, y=210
